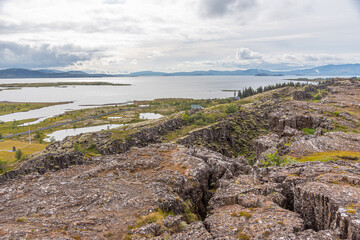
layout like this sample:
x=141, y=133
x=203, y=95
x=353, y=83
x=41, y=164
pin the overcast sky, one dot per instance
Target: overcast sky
x=118, y=36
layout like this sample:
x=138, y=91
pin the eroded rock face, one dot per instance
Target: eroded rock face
x=255, y=217
x=233, y=134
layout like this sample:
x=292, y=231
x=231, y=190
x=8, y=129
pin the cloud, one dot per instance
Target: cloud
x=357, y=3
x=247, y=54
x=114, y=1
x=41, y=56
x=219, y=8
x=245, y=58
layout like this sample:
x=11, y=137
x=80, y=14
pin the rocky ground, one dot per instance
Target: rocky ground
x=198, y=188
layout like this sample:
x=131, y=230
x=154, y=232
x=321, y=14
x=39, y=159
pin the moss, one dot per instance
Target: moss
x=189, y=214
x=247, y=215
x=81, y=147
x=308, y=131
x=156, y=216
x=351, y=211
x=21, y=219
x=275, y=160
x=242, y=236
x=330, y=156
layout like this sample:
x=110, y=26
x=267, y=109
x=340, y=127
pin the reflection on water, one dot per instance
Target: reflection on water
x=61, y=134
x=150, y=116
x=116, y=117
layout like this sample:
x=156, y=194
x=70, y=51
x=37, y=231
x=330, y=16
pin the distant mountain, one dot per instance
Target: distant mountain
x=219, y=73
x=328, y=70
x=147, y=73
x=26, y=73
x=49, y=71
x=268, y=74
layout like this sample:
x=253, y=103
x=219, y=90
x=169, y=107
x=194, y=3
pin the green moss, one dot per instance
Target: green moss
x=331, y=156
x=21, y=219
x=189, y=214
x=242, y=236
x=308, y=131
x=81, y=147
x=247, y=215
x=275, y=160
x=156, y=216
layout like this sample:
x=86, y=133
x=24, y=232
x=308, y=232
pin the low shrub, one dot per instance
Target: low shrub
x=308, y=131
x=275, y=160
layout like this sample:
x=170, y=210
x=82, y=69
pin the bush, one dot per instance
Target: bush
x=86, y=149
x=18, y=154
x=308, y=131
x=185, y=117
x=231, y=108
x=275, y=160
x=2, y=166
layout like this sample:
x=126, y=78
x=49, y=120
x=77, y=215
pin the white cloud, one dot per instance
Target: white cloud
x=171, y=34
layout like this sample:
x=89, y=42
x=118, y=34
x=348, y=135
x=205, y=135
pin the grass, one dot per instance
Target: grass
x=156, y=216
x=174, y=135
x=243, y=236
x=308, y=131
x=7, y=108
x=8, y=158
x=275, y=160
x=330, y=156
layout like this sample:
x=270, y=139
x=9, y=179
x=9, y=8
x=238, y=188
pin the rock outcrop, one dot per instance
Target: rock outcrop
x=198, y=190
x=113, y=194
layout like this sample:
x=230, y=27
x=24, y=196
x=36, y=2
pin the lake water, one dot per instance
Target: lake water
x=142, y=88
x=61, y=134
x=150, y=116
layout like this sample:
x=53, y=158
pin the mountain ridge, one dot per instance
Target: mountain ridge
x=326, y=70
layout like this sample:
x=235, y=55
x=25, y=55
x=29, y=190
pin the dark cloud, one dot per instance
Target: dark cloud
x=247, y=54
x=219, y=8
x=42, y=56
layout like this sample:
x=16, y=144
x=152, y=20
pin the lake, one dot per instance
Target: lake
x=61, y=134
x=142, y=88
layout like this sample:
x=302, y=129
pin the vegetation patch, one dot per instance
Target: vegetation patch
x=8, y=107
x=247, y=215
x=308, y=131
x=275, y=160
x=86, y=148
x=156, y=216
x=331, y=156
x=8, y=157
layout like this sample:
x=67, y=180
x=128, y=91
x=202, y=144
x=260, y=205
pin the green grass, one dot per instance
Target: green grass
x=330, y=156
x=156, y=216
x=7, y=108
x=308, y=131
x=7, y=159
x=275, y=160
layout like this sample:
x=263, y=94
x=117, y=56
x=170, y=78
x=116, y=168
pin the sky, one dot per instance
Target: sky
x=122, y=36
